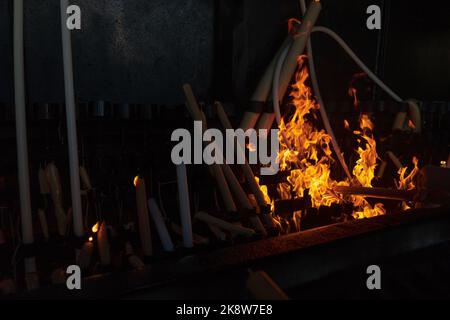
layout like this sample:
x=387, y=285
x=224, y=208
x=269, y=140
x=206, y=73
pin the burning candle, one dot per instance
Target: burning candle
x=298, y=46
x=71, y=123
x=21, y=136
x=185, y=208
x=142, y=212
x=85, y=254
x=163, y=233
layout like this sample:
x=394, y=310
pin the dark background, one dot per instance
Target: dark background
x=142, y=51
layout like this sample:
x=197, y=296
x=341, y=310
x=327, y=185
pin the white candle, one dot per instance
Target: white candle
x=163, y=233
x=21, y=134
x=298, y=46
x=185, y=208
x=71, y=123
x=248, y=173
x=143, y=221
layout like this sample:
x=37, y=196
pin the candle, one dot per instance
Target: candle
x=185, y=208
x=21, y=136
x=197, y=238
x=133, y=259
x=248, y=173
x=202, y=216
x=216, y=170
x=298, y=46
x=163, y=233
x=85, y=254
x=56, y=192
x=71, y=123
x=143, y=220
x=103, y=245
x=85, y=179
x=261, y=92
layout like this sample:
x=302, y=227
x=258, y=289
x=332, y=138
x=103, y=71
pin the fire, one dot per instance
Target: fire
x=135, y=181
x=364, y=170
x=407, y=183
x=305, y=152
x=91, y=239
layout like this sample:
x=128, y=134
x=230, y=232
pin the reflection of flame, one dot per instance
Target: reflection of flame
x=306, y=154
x=411, y=125
x=95, y=227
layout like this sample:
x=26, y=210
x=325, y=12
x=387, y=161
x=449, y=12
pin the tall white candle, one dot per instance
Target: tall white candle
x=163, y=233
x=71, y=123
x=31, y=277
x=185, y=208
x=21, y=132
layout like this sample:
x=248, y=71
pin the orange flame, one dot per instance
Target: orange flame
x=306, y=154
x=407, y=183
x=95, y=227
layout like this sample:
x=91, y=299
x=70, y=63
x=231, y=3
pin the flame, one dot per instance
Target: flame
x=95, y=227
x=407, y=183
x=135, y=181
x=411, y=125
x=305, y=152
x=364, y=170
x=91, y=239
